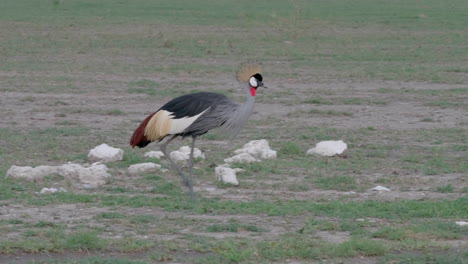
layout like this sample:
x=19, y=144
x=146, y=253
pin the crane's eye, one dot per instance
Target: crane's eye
x=253, y=82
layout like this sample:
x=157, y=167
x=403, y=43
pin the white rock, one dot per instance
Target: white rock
x=89, y=186
x=143, y=167
x=94, y=175
x=184, y=154
x=328, y=148
x=227, y=175
x=70, y=170
x=51, y=190
x=461, y=223
x=380, y=189
x=259, y=149
x=30, y=173
x=154, y=154
x=105, y=153
x=241, y=158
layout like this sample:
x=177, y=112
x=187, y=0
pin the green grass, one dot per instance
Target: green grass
x=130, y=244
x=233, y=226
x=55, y=240
x=389, y=210
x=115, y=112
x=291, y=149
x=57, y=54
x=86, y=240
x=148, y=87
x=445, y=189
x=422, y=230
x=110, y=215
x=383, y=48
x=340, y=183
x=426, y=258
x=95, y=260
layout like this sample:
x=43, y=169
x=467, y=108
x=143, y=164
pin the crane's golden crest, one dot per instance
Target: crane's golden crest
x=247, y=70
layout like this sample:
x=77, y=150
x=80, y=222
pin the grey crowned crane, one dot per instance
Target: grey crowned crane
x=197, y=113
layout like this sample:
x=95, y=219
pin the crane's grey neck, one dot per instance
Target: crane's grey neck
x=239, y=115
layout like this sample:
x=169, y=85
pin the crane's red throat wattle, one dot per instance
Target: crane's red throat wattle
x=253, y=91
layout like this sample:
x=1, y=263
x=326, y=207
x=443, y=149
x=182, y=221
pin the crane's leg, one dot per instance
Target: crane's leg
x=190, y=161
x=187, y=182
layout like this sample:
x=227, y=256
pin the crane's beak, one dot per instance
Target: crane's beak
x=260, y=84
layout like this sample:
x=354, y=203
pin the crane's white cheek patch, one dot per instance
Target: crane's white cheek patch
x=180, y=124
x=253, y=82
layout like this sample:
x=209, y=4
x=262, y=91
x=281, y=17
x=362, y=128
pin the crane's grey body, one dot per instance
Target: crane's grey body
x=196, y=114
x=221, y=112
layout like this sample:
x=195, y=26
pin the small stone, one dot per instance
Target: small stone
x=70, y=170
x=143, y=167
x=461, y=223
x=96, y=174
x=380, y=189
x=51, y=190
x=328, y=148
x=48, y=190
x=259, y=149
x=183, y=154
x=89, y=186
x=30, y=173
x=154, y=154
x=226, y=175
x=105, y=153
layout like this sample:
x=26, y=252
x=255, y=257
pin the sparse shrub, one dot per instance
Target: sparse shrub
x=445, y=189
x=84, y=240
x=390, y=233
x=233, y=226
x=340, y=183
x=291, y=148
x=365, y=247
x=110, y=215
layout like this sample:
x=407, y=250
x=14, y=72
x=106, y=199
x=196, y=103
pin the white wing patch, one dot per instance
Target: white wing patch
x=180, y=124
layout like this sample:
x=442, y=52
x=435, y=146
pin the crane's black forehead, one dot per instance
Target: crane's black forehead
x=258, y=76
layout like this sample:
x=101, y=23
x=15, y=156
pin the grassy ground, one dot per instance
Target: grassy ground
x=387, y=77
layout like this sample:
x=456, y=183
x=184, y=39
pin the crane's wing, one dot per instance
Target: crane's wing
x=214, y=110
x=191, y=104
x=187, y=115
